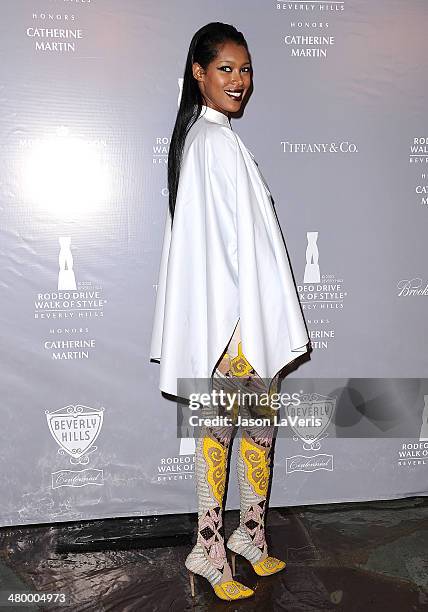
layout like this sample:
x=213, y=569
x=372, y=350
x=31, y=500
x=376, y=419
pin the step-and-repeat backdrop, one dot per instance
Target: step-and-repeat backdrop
x=337, y=122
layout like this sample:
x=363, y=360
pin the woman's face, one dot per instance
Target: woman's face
x=225, y=82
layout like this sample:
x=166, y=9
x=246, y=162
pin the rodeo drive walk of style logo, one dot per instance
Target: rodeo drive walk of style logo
x=75, y=429
x=323, y=407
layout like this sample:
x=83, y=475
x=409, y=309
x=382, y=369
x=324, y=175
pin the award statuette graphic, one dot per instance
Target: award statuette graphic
x=423, y=436
x=75, y=429
x=312, y=269
x=187, y=446
x=66, y=278
x=320, y=407
x=180, y=89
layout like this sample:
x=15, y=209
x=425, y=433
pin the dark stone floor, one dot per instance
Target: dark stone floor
x=368, y=556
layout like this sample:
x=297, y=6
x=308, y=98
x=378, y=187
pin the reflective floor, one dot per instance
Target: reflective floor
x=369, y=556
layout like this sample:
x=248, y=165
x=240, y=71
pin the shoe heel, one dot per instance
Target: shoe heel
x=233, y=560
x=192, y=583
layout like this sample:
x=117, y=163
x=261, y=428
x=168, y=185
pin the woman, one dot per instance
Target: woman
x=227, y=309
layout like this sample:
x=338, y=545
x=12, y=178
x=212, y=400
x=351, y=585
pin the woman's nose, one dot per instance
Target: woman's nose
x=237, y=78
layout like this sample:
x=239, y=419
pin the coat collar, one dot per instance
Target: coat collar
x=214, y=115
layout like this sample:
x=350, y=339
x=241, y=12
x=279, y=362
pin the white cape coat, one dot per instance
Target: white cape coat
x=224, y=260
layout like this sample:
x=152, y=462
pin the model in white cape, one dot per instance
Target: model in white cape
x=224, y=260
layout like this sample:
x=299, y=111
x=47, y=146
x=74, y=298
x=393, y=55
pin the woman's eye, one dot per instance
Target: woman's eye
x=227, y=68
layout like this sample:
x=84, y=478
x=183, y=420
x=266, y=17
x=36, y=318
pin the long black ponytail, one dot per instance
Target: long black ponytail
x=203, y=49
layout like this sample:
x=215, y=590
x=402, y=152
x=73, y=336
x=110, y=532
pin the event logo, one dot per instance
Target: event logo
x=319, y=292
x=161, y=145
x=181, y=466
x=412, y=454
x=178, y=467
x=75, y=430
x=160, y=150
x=311, y=405
x=419, y=150
x=72, y=300
x=66, y=278
x=415, y=453
x=414, y=287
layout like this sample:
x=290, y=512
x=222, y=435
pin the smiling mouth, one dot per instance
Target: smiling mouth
x=235, y=95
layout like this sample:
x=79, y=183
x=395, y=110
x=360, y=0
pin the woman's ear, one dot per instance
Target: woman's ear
x=198, y=71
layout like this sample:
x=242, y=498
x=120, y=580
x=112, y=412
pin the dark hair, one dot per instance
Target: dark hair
x=203, y=49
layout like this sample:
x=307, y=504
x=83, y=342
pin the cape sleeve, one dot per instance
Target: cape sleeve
x=197, y=305
x=220, y=201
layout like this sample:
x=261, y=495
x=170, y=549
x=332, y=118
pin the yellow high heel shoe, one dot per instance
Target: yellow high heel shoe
x=267, y=567
x=228, y=591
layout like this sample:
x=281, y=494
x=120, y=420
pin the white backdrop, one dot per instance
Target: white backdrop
x=337, y=123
